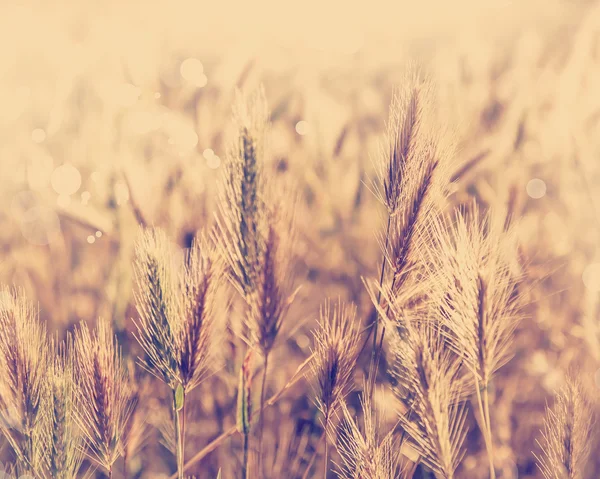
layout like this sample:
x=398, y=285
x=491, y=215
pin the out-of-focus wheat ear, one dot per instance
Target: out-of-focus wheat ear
x=274, y=293
x=365, y=452
x=105, y=401
x=241, y=205
x=202, y=270
x=413, y=170
x=567, y=436
x=269, y=301
x=435, y=422
x=336, y=350
x=195, y=342
x=24, y=359
x=404, y=121
x=413, y=183
x=176, y=308
x=158, y=326
x=65, y=439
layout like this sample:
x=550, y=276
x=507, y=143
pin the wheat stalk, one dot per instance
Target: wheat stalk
x=412, y=176
x=336, y=350
x=431, y=389
x=364, y=452
x=476, y=293
x=24, y=360
x=66, y=439
x=176, y=315
x=567, y=434
x=105, y=399
x=255, y=233
x=242, y=204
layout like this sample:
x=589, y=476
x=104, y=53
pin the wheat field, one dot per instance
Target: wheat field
x=300, y=241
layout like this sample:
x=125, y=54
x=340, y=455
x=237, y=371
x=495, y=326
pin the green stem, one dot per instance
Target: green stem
x=261, y=412
x=182, y=440
x=245, y=463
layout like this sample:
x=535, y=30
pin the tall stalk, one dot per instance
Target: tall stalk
x=245, y=461
x=484, y=411
x=179, y=424
x=374, y=354
x=326, y=458
x=244, y=407
x=261, y=412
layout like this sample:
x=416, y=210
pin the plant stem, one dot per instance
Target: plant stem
x=182, y=440
x=486, y=426
x=260, y=414
x=178, y=436
x=387, y=240
x=374, y=358
x=245, y=463
x=210, y=447
x=380, y=346
x=486, y=405
x=326, y=461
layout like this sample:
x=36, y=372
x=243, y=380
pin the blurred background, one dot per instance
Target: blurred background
x=116, y=113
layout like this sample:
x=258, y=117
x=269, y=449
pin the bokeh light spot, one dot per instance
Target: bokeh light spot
x=302, y=127
x=66, y=179
x=536, y=188
x=192, y=71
